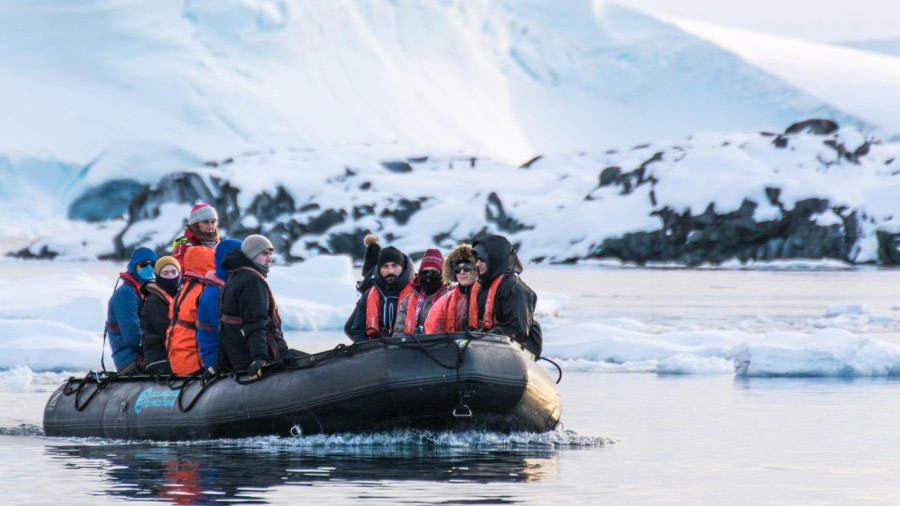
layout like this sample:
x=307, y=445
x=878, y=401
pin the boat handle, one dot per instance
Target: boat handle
x=462, y=411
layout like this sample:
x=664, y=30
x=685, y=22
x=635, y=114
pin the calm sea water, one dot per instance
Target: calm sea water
x=627, y=438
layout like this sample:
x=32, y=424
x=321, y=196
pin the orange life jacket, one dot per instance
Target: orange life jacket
x=181, y=339
x=373, y=303
x=487, y=321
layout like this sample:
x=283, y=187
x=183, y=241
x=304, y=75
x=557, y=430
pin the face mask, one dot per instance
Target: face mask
x=431, y=284
x=146, y=273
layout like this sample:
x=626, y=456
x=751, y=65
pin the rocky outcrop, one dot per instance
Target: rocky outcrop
x=403, y=198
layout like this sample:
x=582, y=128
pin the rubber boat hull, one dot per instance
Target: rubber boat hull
x=442, y=382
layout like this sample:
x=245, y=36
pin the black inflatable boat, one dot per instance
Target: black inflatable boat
x=460, y=381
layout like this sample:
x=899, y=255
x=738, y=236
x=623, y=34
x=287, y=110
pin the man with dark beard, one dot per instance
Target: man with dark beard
x=376, y=311
x=501, y=302
x=202, y=229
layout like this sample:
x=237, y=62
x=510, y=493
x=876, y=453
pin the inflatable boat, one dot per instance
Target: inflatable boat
x=459, y=381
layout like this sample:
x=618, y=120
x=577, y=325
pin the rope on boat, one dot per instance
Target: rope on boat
x=558, y=368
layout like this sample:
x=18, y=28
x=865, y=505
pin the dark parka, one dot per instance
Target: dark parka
x=389, y=301
x=515, y=302
x=246, y=296
x=154, y=324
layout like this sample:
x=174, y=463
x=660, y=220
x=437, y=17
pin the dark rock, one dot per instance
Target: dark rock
x=529, y=163
x=397, y=166
x=610, y=176
x=404, y=209
x=321, y=223
x=814, y=126
x=494, y=213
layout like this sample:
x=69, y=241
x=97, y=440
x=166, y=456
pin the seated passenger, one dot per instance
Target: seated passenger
x=427, y=286
x=181, y=339
x=376, y=311
x=208, y=308
x=123, y=317
x=450, y=313
x=250, y=331
x=501, y=302
x=202, y=229
x=155, y=315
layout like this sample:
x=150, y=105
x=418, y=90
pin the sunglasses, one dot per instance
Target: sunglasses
x=463, y=268
x=145, y=263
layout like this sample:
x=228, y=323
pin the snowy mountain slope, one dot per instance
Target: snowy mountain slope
x=127, y=93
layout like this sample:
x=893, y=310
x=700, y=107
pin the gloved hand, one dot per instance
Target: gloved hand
x=208, y=376
x=255, y=371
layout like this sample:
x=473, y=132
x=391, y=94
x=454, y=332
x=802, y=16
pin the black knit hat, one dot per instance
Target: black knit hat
x=391, y=254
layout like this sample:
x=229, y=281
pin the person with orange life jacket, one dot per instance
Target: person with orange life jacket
x=376, y=310
x=181, y=338
x=501, y=302
x=450, y=313
x=208, y=308
x=123, y=320
x=155, y=315
x=250, y=333
x=202, y=229
x=427, y=286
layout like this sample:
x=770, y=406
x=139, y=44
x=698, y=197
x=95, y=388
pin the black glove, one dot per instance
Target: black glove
x=208, y=376
x=256, y=369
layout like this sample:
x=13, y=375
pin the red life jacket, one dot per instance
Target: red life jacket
x=451, y=316
x=487, y=321
x=373, y=303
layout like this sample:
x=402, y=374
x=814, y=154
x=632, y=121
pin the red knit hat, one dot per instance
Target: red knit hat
x=433, y=258
x=200, y=212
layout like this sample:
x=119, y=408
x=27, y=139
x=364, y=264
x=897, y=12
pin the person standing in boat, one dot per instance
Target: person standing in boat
x=450, y=313
x=250, y=332
x=123, y=313
x=427, y=286
x=501, y=302
x=202, y=229
x=376, y=311
x=208, y=306
x=155, y=315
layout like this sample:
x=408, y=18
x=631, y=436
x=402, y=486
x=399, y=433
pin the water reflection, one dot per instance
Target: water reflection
x=244, y=470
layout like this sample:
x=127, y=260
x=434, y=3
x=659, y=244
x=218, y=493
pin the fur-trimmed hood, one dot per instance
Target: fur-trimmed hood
x=461, y=253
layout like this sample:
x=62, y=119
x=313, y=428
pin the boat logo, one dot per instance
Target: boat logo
x=150, y=398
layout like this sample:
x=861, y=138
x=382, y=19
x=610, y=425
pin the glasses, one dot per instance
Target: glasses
x=463, y=268
x=430, y=273
x=145, y=263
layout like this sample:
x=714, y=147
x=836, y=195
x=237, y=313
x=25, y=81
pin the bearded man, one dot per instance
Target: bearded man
x=376, y=310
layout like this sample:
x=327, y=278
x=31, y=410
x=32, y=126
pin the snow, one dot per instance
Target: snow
x=295, y=92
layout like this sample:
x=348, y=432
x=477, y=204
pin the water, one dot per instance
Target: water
x=627, y=438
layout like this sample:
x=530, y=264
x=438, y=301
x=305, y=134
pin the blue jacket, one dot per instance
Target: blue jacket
x=208, y=307
x=123, y=313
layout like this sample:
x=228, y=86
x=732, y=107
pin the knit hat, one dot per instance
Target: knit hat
x=391, y=254
x=200, y=212
x=164, y=261
x=433, y=258
x=254, y=245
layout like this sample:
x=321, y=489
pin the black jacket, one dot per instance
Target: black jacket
x=154, y=325
x=246, y=297
x=515, y=303
x=387, y=312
